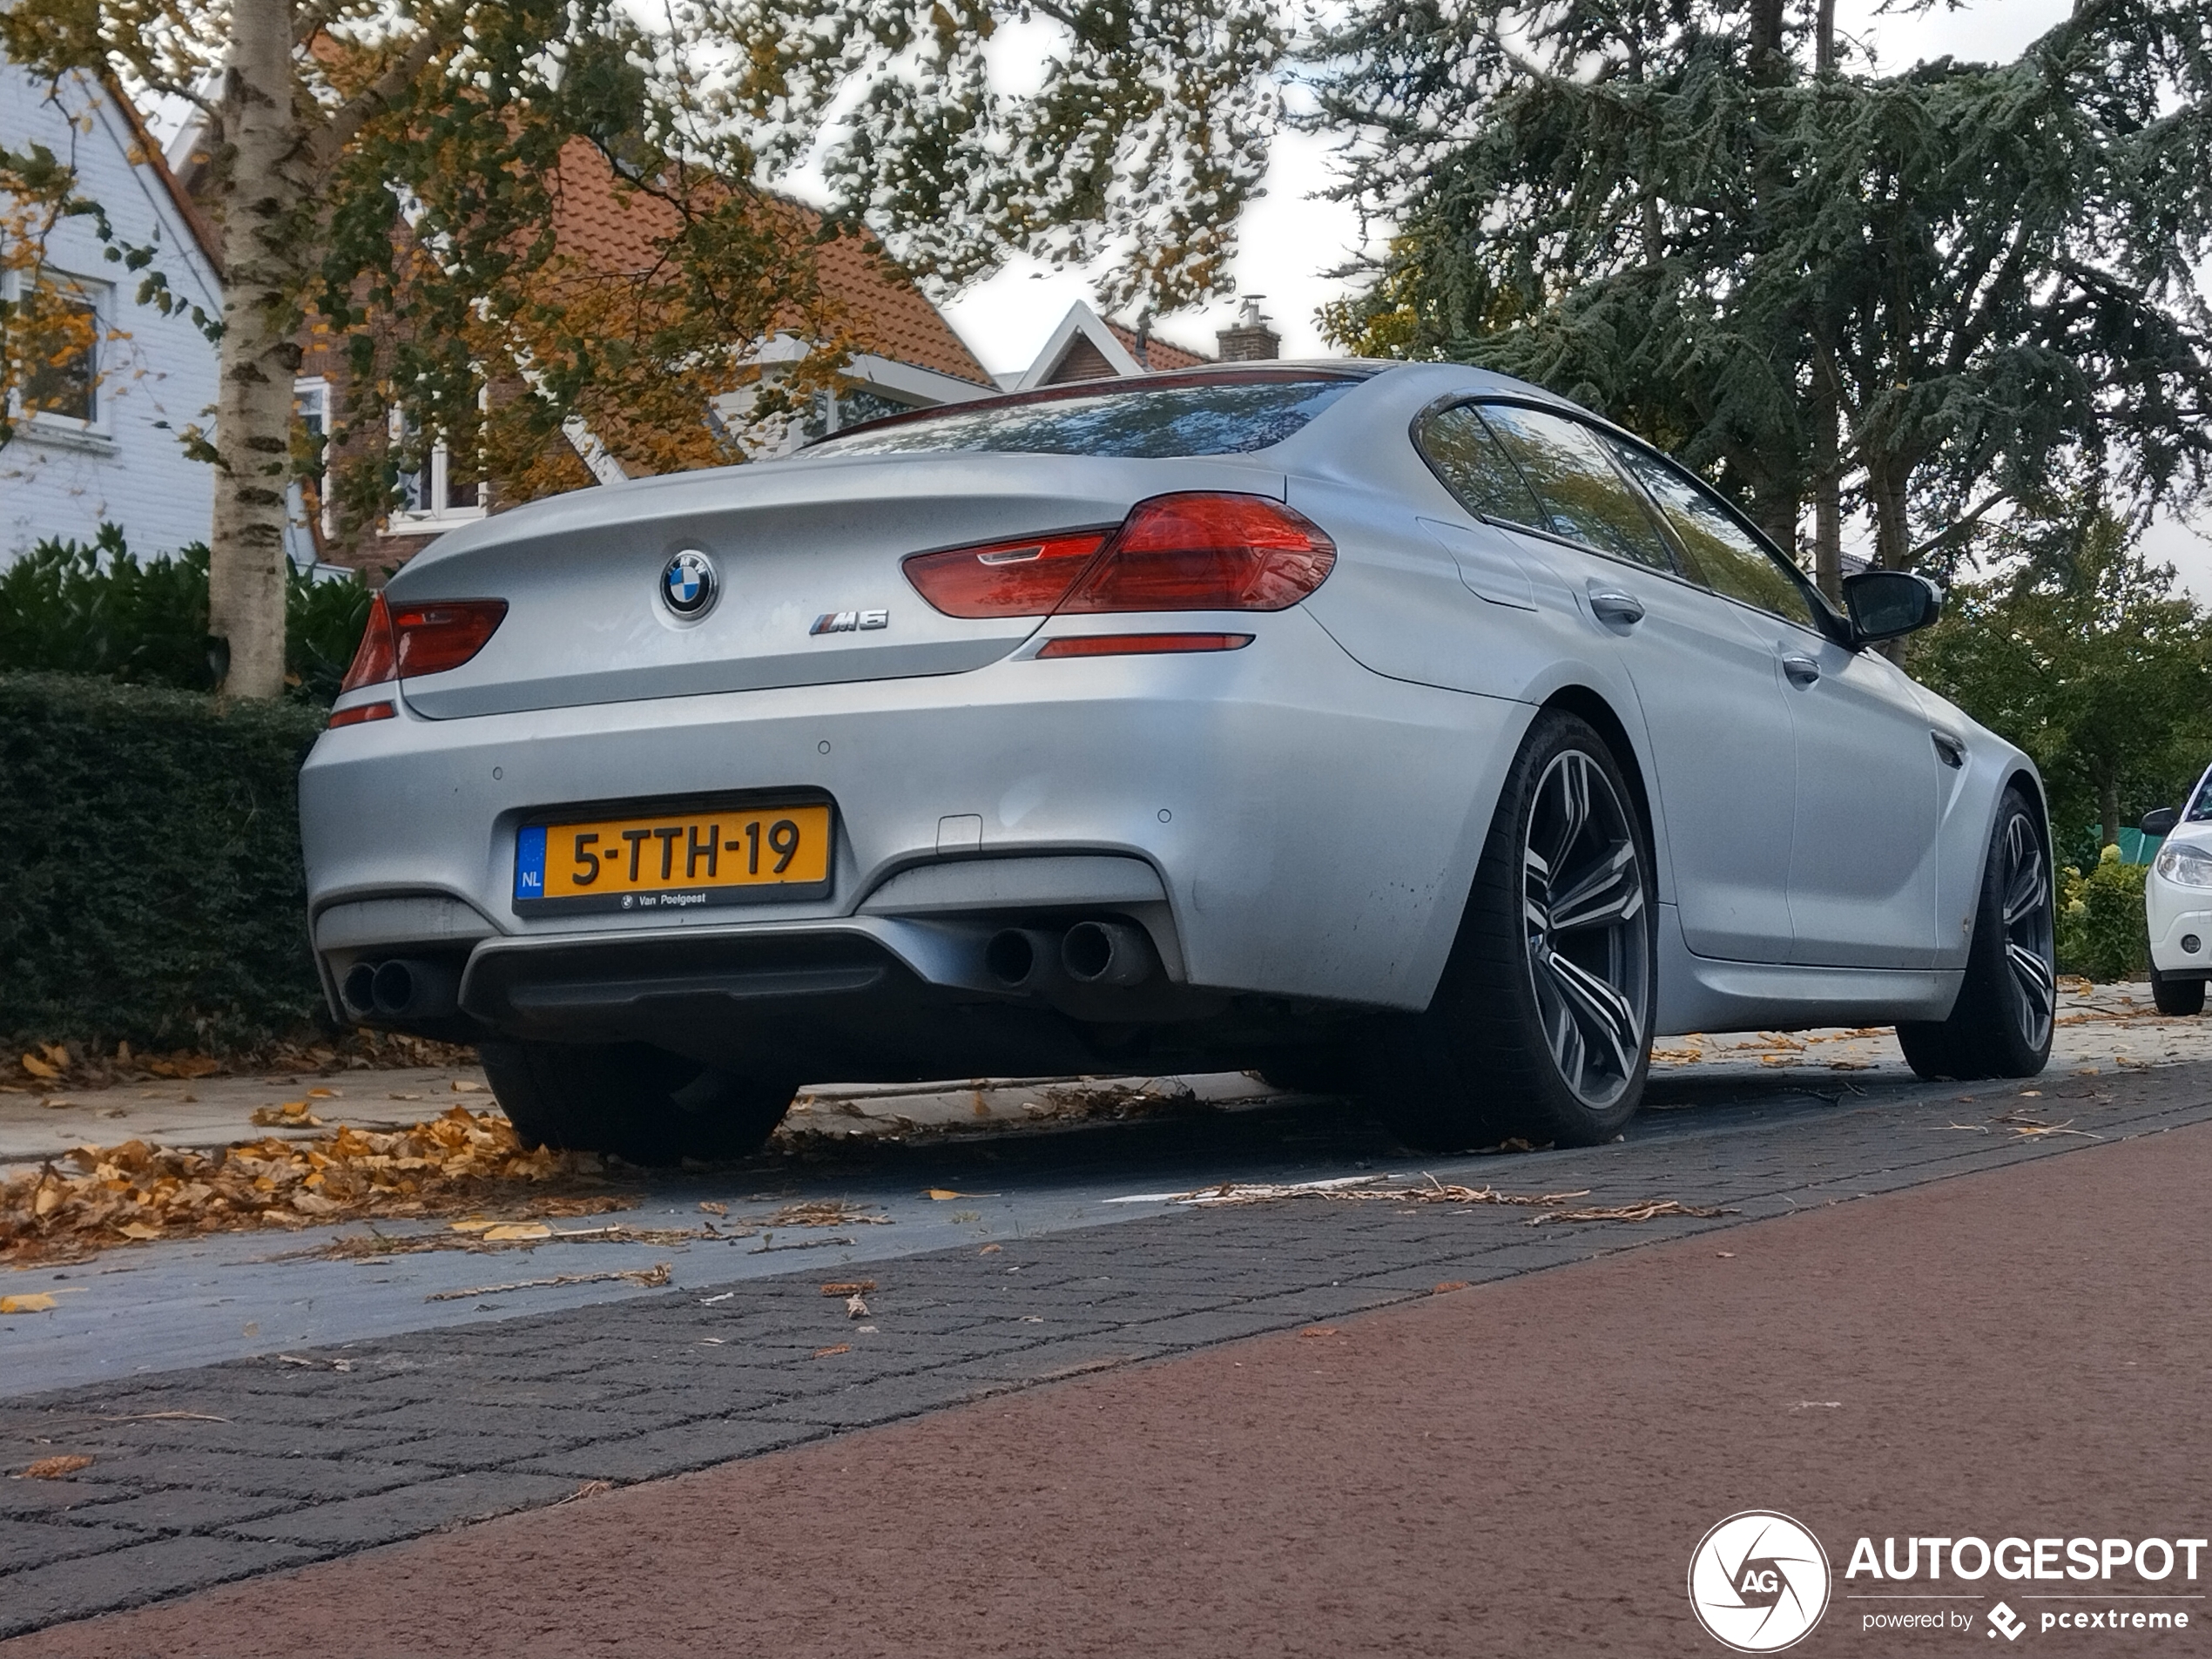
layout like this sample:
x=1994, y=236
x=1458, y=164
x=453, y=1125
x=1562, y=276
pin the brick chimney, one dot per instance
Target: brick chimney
x=1250, y=339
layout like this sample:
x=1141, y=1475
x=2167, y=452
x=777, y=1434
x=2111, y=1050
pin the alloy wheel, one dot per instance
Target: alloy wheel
x=1583, y=902
x=2029, y=939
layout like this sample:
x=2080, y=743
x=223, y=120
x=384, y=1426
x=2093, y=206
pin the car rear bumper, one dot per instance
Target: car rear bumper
x=1280, y=821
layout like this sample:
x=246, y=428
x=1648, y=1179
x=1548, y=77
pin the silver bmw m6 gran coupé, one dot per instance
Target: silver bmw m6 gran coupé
x=1395, y=729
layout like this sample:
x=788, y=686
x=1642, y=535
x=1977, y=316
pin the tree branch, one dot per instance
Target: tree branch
x=379, y=95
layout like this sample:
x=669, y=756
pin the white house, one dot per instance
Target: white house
x=98, y=436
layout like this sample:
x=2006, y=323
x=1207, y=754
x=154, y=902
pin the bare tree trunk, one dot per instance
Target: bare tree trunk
x=2108, y=809
x=1823, y=35
x=261, y=353
x=1886, y=492
x=1827, y=492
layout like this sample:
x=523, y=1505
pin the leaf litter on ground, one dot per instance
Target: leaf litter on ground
x=1366, y=1188
x=98, y=1197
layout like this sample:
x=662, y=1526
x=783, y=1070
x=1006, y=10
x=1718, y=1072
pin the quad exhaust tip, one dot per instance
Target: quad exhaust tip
x=1090, y=953
x=402, y=989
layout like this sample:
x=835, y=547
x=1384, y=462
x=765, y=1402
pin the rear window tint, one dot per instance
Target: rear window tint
x=1586, y=499
x=1220, y=418
x=1475, y=469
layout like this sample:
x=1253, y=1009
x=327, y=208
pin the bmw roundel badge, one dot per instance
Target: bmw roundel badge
x=687, y=583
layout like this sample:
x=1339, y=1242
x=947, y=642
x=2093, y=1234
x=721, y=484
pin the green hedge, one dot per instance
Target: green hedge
x=97, y=610
x=149, y=857
x=2102, y=934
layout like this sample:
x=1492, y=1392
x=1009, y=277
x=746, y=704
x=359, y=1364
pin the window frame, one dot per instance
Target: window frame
x=100, y=295
x=1830, y=626
x=438, y=464
x=1674, y=566
x=1827, y=624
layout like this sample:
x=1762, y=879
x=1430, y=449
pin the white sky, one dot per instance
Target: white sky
x=1292, y=238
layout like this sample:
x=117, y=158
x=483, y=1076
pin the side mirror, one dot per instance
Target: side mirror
x=2160, y=820
x=1883, y=605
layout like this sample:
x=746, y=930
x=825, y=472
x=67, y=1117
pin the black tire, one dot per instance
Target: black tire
x=2000, y=1026
x=1540, y=1027
x=2177, y=995
x=640, y=1104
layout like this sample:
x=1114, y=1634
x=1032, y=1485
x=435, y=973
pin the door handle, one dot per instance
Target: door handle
x=1611, y=604
x=1802, y=671
x=1949, y=749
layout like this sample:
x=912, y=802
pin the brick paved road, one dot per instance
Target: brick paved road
x=223, y=1472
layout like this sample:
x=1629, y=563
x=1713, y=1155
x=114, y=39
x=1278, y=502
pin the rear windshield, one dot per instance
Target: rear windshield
x=1200, y=417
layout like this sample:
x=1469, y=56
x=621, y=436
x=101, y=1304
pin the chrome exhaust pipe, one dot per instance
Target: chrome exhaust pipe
x=1107, y=953
x=413, y=990
x=358, y=990
x=1022, y=958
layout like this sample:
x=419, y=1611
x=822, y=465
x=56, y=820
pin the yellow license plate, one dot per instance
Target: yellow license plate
x=675, y=859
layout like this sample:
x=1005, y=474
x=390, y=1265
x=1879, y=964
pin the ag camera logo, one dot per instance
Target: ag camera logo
x=1758, y=1582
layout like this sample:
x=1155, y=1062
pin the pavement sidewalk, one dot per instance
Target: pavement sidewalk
x=1521, y=1468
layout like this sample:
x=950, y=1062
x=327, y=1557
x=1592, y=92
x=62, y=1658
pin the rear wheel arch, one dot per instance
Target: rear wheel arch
x=1591, y=706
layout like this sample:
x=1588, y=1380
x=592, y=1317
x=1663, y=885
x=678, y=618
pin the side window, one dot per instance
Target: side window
x=1474, y=469
x=1589, y=501
x=1719, y=551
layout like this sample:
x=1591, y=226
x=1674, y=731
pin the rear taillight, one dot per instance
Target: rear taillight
x=374, y=659
x=421, y=639
x=1183, y=552
x=1206, y=553
x=435, y=637
x=1022, y=578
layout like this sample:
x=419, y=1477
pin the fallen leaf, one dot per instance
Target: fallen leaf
x=139, y=1229
x=940, y=1194
x=462, y=1087
x=53, y=1468
x=1449, y=1284
x=1319, y=1331
x=34, y=1302
x=322, y=1093
x=841, y=1347
x=848, y=1287
x=989, y=1250
x=712, y=1208
x=38, y=1067
x=512, y=1231
x=472, y=1225
x=651, y=1277
x=855, y=1308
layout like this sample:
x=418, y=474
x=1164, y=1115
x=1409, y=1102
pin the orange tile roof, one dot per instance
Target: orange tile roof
x=619, y=230
x=1158, y=353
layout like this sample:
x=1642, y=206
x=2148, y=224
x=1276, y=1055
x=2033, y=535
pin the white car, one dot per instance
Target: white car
x=1395, y=728
x=2177, y=902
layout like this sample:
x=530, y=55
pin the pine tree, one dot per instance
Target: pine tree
x=1941, y=294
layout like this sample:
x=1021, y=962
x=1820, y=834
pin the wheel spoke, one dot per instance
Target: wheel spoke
x=2038, y=986
x=2024, y=894
x=1611, y=893
x=1569, y=798
x=1583, y=888
x=1600, y=1011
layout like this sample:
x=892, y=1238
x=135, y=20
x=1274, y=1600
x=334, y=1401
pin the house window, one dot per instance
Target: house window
x=443, y=489
x=311, y=408
x=60, y=337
